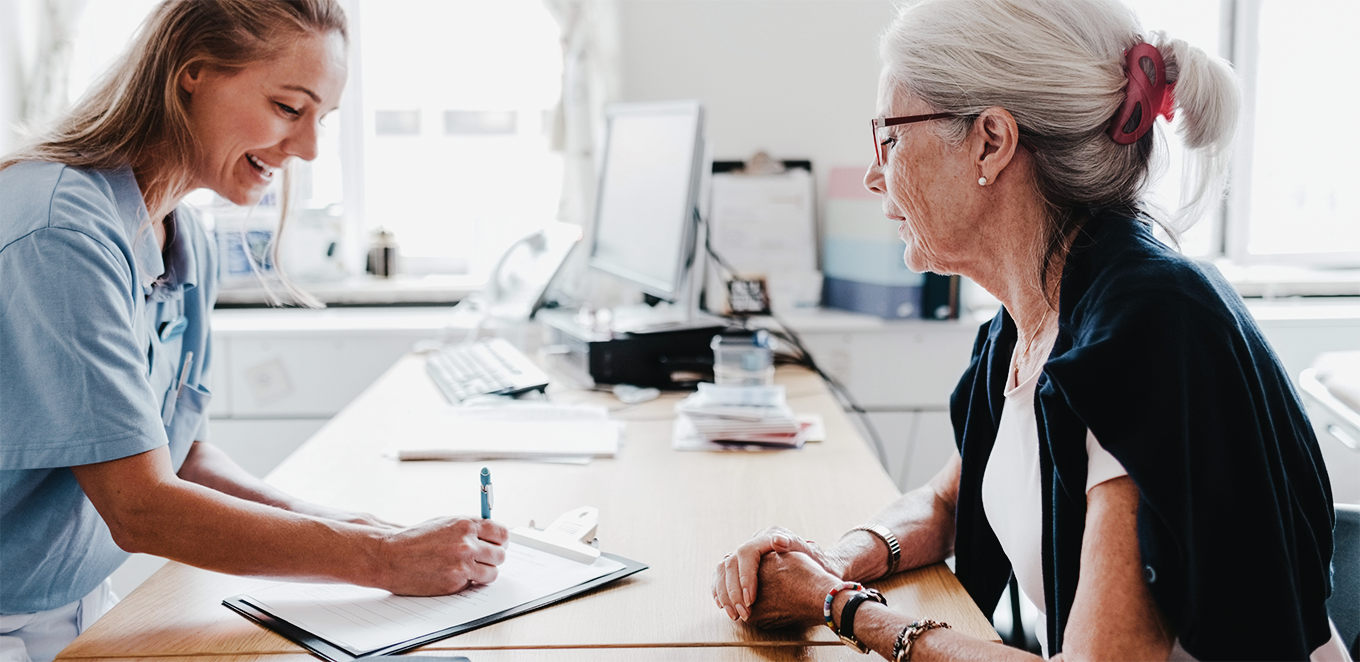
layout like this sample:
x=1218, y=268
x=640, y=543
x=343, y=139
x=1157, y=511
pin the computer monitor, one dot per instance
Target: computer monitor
x=646, y=212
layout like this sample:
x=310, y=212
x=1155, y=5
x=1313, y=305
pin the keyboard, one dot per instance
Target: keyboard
x=486, y=367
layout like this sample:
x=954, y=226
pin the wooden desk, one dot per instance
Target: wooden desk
x=679, y=512
x=782, y=653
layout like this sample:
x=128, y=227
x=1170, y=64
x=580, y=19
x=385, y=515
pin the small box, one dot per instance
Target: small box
x=743, y=359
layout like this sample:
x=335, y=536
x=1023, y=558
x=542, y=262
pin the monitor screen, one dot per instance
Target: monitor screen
x=649, y=187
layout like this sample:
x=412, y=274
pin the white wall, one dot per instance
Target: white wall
x=797, y=79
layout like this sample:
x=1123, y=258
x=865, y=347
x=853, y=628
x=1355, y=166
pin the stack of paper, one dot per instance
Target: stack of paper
x=516, y=431
x=739, y=415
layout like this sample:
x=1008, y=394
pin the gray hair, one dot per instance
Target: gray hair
x=1058, y=67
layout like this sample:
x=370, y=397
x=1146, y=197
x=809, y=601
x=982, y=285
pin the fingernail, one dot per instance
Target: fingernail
x=746, y=596
x=741, y=609
x=781, y=539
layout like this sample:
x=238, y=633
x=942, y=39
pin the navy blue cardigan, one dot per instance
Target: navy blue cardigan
x=1159, y=358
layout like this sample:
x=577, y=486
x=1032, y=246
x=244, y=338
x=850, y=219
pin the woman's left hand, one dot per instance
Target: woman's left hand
x=793, y=588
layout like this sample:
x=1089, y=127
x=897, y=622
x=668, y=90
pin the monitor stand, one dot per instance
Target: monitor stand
x=681, y=315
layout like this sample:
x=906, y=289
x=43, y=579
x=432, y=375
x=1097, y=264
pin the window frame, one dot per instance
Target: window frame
x=352, y=142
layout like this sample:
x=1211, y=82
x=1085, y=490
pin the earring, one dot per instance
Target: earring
x=982, y=181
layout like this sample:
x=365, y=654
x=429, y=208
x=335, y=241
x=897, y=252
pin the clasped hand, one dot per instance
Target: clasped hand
x=777, y=579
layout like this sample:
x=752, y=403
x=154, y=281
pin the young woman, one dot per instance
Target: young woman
x=104, y=336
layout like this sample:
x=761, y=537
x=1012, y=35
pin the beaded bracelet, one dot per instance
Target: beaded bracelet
x=830, y=597
x=901, y=651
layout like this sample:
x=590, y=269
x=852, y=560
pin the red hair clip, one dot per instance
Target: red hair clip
x=1149, y=95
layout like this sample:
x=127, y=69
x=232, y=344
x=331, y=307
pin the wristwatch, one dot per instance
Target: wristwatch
x=882, y=533
x=847, y=631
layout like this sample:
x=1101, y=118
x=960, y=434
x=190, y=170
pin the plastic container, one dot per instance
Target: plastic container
x=743, y=360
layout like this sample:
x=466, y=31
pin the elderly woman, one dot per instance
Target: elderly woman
x=1130, y=448
x=104, y=337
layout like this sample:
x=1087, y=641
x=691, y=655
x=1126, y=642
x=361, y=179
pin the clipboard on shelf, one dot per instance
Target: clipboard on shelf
x=295, y=610
x=762, y=221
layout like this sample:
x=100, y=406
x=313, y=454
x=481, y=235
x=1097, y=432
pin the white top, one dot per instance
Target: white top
x=1012, y=497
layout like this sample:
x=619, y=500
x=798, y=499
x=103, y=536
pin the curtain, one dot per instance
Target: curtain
x=11, y=75
x=590, y=79
x=45, y=59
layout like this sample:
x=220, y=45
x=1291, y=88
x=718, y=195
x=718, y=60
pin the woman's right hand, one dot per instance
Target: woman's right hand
x=735, y=580
x=442, y=556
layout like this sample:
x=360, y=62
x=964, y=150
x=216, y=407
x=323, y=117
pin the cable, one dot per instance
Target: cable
x=847, y=401
x=804, y=358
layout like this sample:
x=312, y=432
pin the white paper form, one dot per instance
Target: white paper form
x=360, y=619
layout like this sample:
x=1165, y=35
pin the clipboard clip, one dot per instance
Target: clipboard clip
x=569, y=536
x=761, y=163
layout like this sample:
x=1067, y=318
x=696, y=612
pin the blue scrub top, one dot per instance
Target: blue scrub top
x=95, y=331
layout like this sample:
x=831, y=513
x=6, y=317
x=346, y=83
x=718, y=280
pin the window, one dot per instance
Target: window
x=1288, y=200
x=452, y=149
x=102, y=34
x=1296, y=179
x=457, y=101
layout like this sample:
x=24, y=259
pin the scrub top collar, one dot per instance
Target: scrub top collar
x=180, y=262
x=183, y=267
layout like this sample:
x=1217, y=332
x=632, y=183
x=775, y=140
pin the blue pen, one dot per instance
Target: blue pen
x=487, y=497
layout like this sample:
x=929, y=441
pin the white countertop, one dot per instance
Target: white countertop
x=362, y=290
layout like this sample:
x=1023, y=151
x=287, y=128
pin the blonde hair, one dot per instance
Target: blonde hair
x=136, y=114
x=1058, y=67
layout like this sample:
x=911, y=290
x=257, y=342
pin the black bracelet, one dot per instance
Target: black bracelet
x=847, y=629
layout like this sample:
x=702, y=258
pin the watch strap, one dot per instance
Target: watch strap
x=847, y=629
x=889, y=540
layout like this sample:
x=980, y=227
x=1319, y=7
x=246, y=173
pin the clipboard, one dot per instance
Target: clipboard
x=762, y=222
x=327, y=650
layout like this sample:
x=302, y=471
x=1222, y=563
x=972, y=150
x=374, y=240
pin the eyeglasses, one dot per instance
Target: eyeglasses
x=880, y=149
